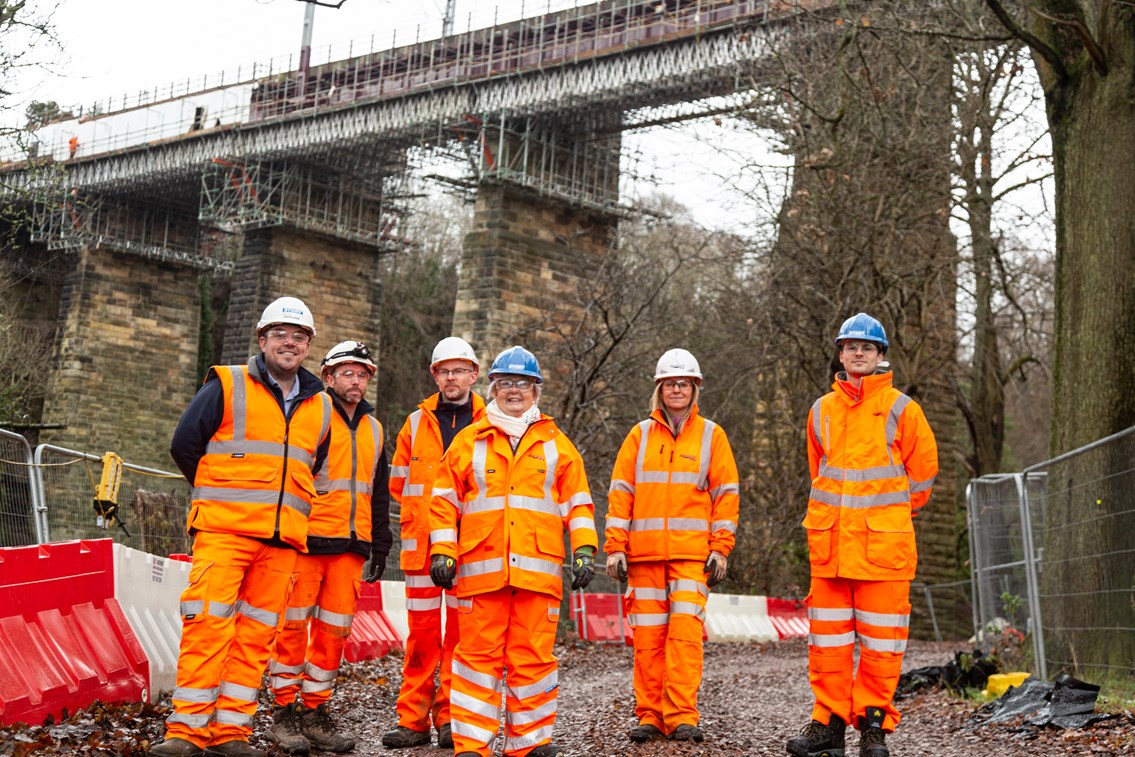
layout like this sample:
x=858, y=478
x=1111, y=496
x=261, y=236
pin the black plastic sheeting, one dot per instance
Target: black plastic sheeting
x=1066, y=702
x=966, y=671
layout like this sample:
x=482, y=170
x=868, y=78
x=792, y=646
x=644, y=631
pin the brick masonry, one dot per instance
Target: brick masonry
x=520, y=270
x=124, y=356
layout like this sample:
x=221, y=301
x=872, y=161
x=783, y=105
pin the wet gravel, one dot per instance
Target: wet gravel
x=753, y=699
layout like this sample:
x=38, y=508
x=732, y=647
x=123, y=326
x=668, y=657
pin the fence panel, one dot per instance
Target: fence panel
x=1053, y=554
x=19, y=526
x=153, y=503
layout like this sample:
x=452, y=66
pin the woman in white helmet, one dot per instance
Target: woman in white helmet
x=671, y=520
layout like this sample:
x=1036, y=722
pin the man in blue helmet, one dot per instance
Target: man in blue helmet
x=873, y=461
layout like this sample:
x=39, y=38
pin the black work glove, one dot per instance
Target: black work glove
x=715, y=566
x=374, y=572
x=582, y=570
x=443, y=569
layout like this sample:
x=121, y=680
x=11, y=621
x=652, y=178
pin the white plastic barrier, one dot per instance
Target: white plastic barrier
x=394, y=606
x=148, y=588
x=732, y=617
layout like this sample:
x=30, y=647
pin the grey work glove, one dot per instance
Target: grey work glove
x=715, y=566
x=582, y=570
x=443, y=570
x=374, y=572
x=617, y=566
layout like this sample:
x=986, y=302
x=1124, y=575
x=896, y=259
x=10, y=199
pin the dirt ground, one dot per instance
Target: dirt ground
x=753, y=699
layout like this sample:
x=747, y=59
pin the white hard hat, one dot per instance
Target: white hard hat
x=349, y=351
x=287, y=310
x=453, y=348
x=677, y=363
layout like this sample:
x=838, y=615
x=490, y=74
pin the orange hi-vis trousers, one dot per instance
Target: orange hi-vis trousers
x=426, y=648
x=877, y=613
x=238, y=588
x=514, y=629
x=309, y=645
x=666, y=610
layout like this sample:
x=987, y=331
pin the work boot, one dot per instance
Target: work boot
x=644, y=732
x=321, y=732
x=445, y=736
x=819, y=740
x=872, y=739
x=234, y=748
x=547, y=750
x=687, y=732
x=176, y=748
x=287, y=731
x=403, y=737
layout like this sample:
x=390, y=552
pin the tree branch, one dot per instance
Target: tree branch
x=1050, y=56
x=1093, y=47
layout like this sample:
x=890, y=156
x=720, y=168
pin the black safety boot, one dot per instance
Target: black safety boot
x=872, y=738
x=643, y=733
x=403, y=737
x=445, y=736
x=687, y=732
x=176, y=748
x=819, y=740
x=287, y=730
x=234, y=748
x=320, y=730
x=547, y=750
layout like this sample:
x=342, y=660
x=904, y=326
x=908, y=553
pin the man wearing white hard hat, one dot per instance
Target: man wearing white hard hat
x=671, y=525
x=424, y=438
x=350, y=521
x=250, y=443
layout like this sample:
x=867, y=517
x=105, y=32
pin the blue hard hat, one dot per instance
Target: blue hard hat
x=517, y=361
x=865, y=328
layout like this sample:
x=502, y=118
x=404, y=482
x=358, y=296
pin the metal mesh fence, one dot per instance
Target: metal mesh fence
x=152, y=503
x=1053, y=553
x=17, y=503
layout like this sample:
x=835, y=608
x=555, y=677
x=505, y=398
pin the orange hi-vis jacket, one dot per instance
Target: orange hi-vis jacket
x=255, y=478
x=503, y=514
x=873, y=461
x=341, y=509
x=673, y=498
x=416, y=462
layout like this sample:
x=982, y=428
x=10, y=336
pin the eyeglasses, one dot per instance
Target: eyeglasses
x=521, y=384
x=867, y=348
x=679, y=384
x=454, y=372
x=350, y=375
x=282, y=335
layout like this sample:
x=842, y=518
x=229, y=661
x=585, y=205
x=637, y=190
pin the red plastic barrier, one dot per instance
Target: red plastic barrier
x=64, y=641
x=372, y=635
x=789, y=617
x=600, y=620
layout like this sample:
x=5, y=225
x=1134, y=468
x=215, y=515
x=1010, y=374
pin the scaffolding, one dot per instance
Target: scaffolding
x=540, y=102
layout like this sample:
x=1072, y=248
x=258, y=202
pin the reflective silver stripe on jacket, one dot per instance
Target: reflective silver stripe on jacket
x=536, y=564
x=252, y=497
x=861, y=500
x=246, y=447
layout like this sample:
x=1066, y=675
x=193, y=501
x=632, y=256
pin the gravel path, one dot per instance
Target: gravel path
x=753, y=698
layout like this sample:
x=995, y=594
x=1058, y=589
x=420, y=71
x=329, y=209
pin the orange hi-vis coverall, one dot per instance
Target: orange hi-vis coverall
x=351, y=503
x=672, y=501
x=251, y=467
x=416, y=462
x=873, y=461
x=502, y=515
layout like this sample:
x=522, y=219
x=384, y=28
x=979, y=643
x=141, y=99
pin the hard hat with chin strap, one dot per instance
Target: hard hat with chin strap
x=349, y=351
x=864, y=328
x=516, y=361
x=677, y=363
x=287, y=310
x=453, y=348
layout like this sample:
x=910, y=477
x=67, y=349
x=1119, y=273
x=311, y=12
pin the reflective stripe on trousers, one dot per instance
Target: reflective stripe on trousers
x=840, y=611
x=310, y=644
x=238, y=588
x=514, y=628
